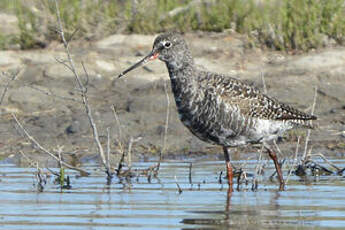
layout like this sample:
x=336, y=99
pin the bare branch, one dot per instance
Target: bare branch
x=8, y=85
x=108, y=148
x=117, y=121
x=48, y=93
x=72, y=35
x=294, y=161
x=263, y=82
x=166, y=126
x=129, y=151
x=308, y=131
x=326, y=160
x=83, y=91
x=32, y=163
x=257, y=170
x=63, y=62
x=42, y=149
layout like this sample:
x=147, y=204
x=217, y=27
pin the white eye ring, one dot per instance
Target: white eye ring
x=167, y=44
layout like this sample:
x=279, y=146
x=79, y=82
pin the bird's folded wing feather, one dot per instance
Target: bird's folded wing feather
x=251, y=102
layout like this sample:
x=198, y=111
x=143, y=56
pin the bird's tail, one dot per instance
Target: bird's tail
x=308, y=124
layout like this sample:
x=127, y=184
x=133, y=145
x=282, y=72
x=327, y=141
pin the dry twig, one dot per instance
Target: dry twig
x=116, y=117
x=263, y=82
x=308, y=131
x=42, y=149
x=294, y=161
x=39, y=178
x=12, y=78
x=326, y=160
x=166, y=126
x=190, y=173
x=51, y=94
x=82, y=89
x=257, y=171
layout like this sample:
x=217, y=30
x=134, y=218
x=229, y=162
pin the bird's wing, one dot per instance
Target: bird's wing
x=251, y=102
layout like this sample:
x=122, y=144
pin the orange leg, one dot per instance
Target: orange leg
x=228, y=166
x=273, y=156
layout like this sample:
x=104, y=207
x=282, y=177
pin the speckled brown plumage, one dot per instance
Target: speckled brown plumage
x=220, y=109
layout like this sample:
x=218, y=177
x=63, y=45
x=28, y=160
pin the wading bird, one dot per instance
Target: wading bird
x=220, y=109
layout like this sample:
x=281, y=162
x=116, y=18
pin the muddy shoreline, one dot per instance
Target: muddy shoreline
x=44, y=98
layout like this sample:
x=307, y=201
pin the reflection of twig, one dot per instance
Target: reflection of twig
x=8, y=85
x=294, y=160
x=178, y=186
x=120, y=165
x=82, y=89
x=129, y=155
x=39, y=177
x=220, y=181
x=308, y=131
x=190, y=172
x=42, y=149
x=108, y=148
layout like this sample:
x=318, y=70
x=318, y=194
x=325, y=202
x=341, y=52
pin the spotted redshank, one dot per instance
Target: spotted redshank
x=220, y=109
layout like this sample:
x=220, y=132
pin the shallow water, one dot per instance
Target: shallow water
x=313, y=203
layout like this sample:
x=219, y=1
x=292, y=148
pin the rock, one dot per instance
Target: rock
x=73, y=128
x=333, y=110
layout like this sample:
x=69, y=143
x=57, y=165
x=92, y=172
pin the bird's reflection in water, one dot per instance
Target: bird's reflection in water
x=246, y=215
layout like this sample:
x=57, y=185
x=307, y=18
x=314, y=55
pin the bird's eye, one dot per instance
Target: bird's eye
x=167, y=44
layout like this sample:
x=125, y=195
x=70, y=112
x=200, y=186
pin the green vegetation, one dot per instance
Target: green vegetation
x=277, y=24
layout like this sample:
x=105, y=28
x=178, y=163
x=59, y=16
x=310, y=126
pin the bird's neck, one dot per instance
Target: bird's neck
x=183, y=80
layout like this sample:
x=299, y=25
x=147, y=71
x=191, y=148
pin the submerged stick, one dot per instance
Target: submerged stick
x=263, y=82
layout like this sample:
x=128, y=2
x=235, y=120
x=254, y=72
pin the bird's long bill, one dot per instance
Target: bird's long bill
x=150, y=57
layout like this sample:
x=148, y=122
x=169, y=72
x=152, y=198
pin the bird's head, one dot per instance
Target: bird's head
x=169, y=48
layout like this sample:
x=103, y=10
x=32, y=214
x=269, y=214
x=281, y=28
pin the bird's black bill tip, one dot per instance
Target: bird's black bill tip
x=150, y=57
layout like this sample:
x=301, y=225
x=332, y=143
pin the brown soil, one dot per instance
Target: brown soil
x=45, y=100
